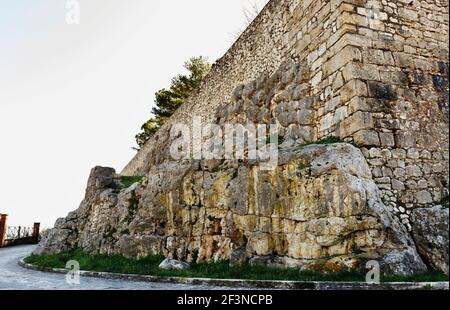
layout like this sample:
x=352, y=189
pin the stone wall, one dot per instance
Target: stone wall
x=377, y=73
x=306, y=32
x=370, y=72
x=399, y=112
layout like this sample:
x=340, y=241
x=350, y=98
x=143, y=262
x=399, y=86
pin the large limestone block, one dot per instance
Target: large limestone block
x=431, y=230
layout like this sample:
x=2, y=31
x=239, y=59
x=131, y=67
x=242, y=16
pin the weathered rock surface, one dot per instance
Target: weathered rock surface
x=431, y=235
x=318, y=209
x=173, y=264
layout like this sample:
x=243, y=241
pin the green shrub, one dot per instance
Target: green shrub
x=325, y=141
x=127, y=181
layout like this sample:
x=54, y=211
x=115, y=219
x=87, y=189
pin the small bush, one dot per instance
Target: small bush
x=325, y=141
x=128, y=181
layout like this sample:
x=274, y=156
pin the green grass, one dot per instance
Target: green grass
x=325, y=141
x=427, y=287
x=149, y=266
x=445, y=202
x=128, y=181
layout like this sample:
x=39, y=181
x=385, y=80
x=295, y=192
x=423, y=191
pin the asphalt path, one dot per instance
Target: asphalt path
x=15, y=277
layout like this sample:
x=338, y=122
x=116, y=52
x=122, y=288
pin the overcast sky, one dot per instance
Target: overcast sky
x=74, y=96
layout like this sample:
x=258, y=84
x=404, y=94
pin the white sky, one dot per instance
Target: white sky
x=74, y=96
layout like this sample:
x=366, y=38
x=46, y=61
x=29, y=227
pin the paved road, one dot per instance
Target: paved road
x=14, y=277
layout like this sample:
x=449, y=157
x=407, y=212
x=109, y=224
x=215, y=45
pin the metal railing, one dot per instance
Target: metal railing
x=18, y=232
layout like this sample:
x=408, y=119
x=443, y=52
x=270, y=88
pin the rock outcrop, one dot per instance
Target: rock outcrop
x=318, y=209
x=173, y=264
x=431, y=235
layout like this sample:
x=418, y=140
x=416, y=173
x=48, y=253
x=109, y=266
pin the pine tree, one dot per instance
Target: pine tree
x=167, y=101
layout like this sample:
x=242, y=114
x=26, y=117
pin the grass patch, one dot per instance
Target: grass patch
x=427, y=287
x=149, y=266
x=128, y=181
x=325, y=141
x=429, y=276
x=444, y=202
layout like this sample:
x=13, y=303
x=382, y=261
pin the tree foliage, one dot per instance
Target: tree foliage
x=167, y=101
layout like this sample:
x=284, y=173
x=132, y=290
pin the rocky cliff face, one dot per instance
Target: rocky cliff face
x=318, y=209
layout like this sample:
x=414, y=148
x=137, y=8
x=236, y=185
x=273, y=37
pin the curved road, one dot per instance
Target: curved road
x=14, y=277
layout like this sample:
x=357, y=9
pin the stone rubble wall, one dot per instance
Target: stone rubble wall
x=284, y=98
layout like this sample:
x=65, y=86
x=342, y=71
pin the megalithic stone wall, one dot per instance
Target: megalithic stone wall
x=378, y=73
